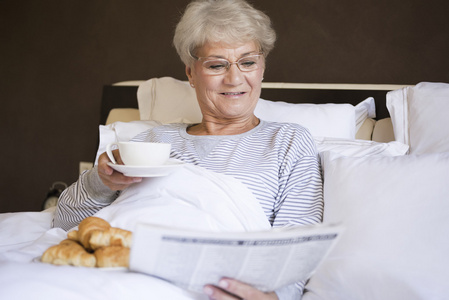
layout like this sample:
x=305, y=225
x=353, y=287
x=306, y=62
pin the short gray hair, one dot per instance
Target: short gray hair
x=227, y=21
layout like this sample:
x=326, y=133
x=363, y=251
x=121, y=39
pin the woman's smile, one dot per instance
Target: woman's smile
x=233, y=94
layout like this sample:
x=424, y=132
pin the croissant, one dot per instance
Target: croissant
x=73, y=235
x=112, y=256
x=111, y=246
x=87, y=227
x=68, y=252
x=110, y=237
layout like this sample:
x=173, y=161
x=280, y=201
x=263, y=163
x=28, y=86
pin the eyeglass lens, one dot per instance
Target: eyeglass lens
x=221, y=65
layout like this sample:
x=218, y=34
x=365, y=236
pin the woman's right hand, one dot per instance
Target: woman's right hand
x=114, y=180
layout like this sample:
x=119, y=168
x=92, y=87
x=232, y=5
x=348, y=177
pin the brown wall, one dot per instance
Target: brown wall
x=57, y=54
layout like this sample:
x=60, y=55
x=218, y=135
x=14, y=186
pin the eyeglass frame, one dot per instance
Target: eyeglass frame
x=229, y=62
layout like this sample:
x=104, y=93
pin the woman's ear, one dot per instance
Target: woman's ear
x=189, y=72
x=189, y=76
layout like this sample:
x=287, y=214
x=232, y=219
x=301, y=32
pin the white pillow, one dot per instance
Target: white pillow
x=364, y=110
x=358, y=148
x=419, y=116
x=168, y=100
x=395, y=214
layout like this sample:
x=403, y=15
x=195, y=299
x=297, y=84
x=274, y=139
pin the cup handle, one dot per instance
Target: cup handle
x=109, y=152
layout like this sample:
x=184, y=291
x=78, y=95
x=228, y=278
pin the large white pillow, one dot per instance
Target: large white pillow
x=322, y=120
x=395, y=214
x=330, y=120
x=168, y=100
x=419, y=116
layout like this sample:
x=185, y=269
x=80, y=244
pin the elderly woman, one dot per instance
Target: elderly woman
x=224, y=44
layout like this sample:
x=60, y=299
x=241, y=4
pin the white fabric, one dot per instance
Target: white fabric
x=21, y=281
x=32, y=225
x=419, y=116
x=168, y=100
x=224, y=204
x=395, y=211
x=358, y=148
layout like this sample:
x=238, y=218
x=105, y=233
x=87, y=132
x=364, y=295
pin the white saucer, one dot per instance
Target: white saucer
x=148, y=171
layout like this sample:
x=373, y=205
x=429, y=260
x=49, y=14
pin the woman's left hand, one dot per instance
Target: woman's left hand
x=234, y=289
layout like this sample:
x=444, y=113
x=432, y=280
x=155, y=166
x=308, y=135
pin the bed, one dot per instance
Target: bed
x=384, y=151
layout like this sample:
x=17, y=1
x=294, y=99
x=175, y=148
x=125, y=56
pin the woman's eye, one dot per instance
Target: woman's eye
x=248, y=63
x=216, y=66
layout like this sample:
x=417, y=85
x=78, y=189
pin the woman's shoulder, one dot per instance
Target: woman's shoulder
x=161, y=132
x=170, y=126
x=294, y=135
x=284, y=127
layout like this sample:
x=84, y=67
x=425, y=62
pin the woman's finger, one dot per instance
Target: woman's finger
x=233, y=289
x=114, y=180
x=216, y=293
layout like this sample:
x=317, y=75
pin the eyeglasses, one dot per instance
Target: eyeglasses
x=219, y=66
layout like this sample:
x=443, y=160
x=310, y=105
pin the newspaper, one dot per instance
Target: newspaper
x=266, y=260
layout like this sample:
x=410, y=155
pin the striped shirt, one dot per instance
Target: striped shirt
x=278, y=162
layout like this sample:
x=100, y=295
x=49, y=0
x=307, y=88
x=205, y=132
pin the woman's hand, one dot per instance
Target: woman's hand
x=234, y=289
x=114, y=180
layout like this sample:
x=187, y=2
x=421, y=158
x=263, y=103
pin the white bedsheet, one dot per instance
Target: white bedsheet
x=224, y=204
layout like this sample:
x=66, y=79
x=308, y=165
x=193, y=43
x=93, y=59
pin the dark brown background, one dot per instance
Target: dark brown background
x=56, y=55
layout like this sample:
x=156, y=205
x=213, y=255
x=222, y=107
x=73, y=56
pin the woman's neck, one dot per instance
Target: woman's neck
x=213, y=127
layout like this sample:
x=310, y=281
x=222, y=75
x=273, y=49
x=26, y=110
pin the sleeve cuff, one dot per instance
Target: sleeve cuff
x=97, y=190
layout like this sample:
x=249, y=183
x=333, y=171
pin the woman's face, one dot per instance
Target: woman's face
x=232, y=95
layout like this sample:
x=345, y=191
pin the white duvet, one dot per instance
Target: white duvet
x=191, y=197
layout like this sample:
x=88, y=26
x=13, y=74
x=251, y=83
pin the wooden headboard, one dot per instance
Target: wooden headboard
x=124, y=95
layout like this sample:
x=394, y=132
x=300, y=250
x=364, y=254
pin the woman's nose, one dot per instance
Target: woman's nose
x=233, y=76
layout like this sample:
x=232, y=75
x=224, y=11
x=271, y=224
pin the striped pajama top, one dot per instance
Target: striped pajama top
x=278, y=162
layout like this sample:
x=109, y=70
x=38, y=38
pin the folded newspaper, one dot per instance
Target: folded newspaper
x=266, y=260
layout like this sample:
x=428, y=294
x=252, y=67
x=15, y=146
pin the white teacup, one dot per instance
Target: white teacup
x=140, y=153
